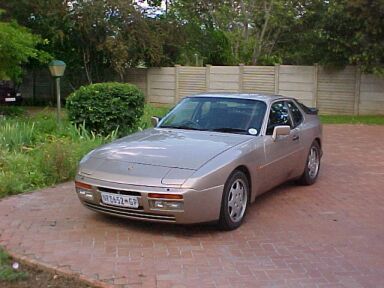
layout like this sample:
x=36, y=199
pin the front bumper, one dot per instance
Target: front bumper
x=198, y=206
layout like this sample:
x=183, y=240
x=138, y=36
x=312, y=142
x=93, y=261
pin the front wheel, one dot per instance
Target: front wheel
x=312, y=165
x=234, y=201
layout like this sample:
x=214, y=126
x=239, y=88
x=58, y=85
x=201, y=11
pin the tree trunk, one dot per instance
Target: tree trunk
x=86, y=67
x=259, y=42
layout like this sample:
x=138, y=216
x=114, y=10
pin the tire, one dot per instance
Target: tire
x=312, y=165
x=234, y=201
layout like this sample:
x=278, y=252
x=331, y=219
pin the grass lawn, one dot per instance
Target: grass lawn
x=7, y=272
x=347, y=119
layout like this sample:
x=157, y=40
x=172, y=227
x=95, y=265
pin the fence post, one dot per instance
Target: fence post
x=177, y=95
x=356, y=106
x=277, y=72
x=315, y=84
x=207, y=77
x=241, y=74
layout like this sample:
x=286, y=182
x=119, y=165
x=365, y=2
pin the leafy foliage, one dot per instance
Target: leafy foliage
x=95, y=38
x=100, y=36
x=17, y=47
x=105, y=107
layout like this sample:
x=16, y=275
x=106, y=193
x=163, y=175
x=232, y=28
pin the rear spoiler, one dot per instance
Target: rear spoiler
x=308, y=110
x=313, y=111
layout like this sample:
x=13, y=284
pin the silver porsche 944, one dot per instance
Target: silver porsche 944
x=206, y=160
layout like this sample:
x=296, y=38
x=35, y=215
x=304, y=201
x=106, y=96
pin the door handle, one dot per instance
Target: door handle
x=295, y=138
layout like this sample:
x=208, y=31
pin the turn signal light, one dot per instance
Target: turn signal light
x=165, y=196
x=82, y=185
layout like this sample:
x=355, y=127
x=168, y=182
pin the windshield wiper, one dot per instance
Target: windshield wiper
x=180, y=127
x=230, y=130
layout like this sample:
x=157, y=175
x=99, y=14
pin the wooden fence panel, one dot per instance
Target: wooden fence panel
x=257, y=79
x=333, y=92
x=336, y=91
x=224, y=79
x=191, y=80
x=297, y=82
x=371, y=95
x=161, y=85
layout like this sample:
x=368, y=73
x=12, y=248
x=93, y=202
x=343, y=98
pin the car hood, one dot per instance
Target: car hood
x=169, y=147
x=156, y=157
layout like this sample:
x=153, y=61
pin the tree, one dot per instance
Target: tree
x=17, y=47
x=336, y=33
x=251, y=27
x=99, y=38
x=357, y=33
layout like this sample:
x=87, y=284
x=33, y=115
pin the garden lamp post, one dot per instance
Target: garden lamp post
x=57, y=68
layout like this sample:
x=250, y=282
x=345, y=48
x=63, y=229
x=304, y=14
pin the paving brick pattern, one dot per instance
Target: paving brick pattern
x=330, y=234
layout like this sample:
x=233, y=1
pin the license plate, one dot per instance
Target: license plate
x=10, y=99
x=120, y=200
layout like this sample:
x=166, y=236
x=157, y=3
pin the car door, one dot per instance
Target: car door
x=297, y=119
x=281, y=154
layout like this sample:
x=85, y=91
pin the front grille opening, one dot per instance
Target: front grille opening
x=131, y=214
x=117, y=191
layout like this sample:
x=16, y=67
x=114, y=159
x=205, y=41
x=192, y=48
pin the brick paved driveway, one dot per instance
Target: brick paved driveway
x=327, y=235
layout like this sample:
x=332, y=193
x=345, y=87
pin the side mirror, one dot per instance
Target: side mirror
x=155, y=121
x=282, y=130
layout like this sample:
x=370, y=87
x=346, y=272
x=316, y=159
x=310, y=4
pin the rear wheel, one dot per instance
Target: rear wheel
x=234, y=201
x=312, y=165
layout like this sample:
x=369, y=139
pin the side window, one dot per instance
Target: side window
x=279, y=115
x=297, y=117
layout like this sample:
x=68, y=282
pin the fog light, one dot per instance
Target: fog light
x=85, y=193
x=166, y=205
x=84, y=190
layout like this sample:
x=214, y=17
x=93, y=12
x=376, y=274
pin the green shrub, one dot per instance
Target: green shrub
x=105, y=107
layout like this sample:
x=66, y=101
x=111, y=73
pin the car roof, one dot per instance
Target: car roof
x=252, y=96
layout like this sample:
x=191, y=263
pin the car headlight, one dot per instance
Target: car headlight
x=166, y=205
x=168, y=202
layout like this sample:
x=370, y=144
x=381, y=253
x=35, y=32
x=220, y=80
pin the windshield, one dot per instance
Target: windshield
x=228, y=115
